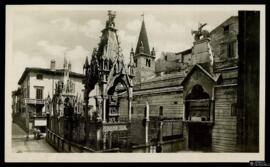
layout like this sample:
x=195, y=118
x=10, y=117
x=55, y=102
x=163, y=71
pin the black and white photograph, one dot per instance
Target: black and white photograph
x=140, y=80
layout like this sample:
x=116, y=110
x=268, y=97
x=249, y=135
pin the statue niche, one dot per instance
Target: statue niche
x=197, y=105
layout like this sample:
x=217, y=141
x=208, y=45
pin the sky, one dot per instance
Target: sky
x=37, y=34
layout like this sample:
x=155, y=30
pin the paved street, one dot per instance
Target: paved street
x=20, y=144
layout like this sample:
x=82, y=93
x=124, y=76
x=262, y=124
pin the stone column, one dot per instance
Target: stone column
x=161, y=131
x=129, y=109
x=212, y=106
x=98, y=139
x=147, y=123
x=104, y=97
x=130, y=103
x=104, y=140
x=99, y=107
x=104, y=109
x=146, y=132
x=184, y=110
x=110, y=139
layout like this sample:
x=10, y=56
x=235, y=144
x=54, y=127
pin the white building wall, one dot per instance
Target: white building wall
x=24, y=86
x=79, y=87
x=48, y=84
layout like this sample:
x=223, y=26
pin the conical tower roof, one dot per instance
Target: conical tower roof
x=143, y=41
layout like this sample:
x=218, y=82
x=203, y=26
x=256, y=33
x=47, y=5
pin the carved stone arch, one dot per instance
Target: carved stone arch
x=121, y=79
x=197, y=104
x=197, y=92
x=118, y=79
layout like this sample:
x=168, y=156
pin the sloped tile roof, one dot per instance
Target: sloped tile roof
x=47, y=71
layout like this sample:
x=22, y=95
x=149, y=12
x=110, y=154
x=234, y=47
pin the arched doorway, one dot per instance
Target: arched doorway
x=197, y=104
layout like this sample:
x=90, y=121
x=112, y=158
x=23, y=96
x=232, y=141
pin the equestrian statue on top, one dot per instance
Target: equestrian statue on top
x=200, y=32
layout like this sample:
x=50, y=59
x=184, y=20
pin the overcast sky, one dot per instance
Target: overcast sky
x=38, y=35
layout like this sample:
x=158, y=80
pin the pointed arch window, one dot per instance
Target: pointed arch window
x=147, y=62
x=161, y=111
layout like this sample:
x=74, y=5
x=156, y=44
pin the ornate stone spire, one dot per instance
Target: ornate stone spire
x=65, y=62
x=131, y=60
x=131, y=64
x=69, y=66
x=109, y=45
x=143, y=41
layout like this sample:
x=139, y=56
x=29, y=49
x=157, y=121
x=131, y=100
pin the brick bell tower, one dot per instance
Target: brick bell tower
x=144, y=59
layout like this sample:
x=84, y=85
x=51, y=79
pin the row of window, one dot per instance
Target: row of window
x=147, y=62
x=39, y=92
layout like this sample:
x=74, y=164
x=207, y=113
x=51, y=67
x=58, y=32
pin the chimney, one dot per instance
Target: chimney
x=52, y=65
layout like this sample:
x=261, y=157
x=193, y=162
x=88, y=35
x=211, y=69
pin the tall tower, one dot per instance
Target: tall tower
x=144, y=59
x=109, y=77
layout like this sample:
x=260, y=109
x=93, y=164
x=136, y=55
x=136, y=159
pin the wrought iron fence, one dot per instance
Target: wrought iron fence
x=171, y=128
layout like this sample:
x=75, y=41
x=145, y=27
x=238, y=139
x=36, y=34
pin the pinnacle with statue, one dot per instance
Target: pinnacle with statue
x=110, y=22
x=200, y=32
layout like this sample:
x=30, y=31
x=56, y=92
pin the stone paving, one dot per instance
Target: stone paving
x=20, y=144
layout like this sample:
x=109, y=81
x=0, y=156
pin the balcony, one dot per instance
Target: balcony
x=34, y=101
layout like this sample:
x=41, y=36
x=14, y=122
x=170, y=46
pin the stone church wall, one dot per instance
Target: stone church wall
x=161, y=81
x=224, y=132
x=172, y=104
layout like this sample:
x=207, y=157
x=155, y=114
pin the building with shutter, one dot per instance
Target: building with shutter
x=36, y=85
